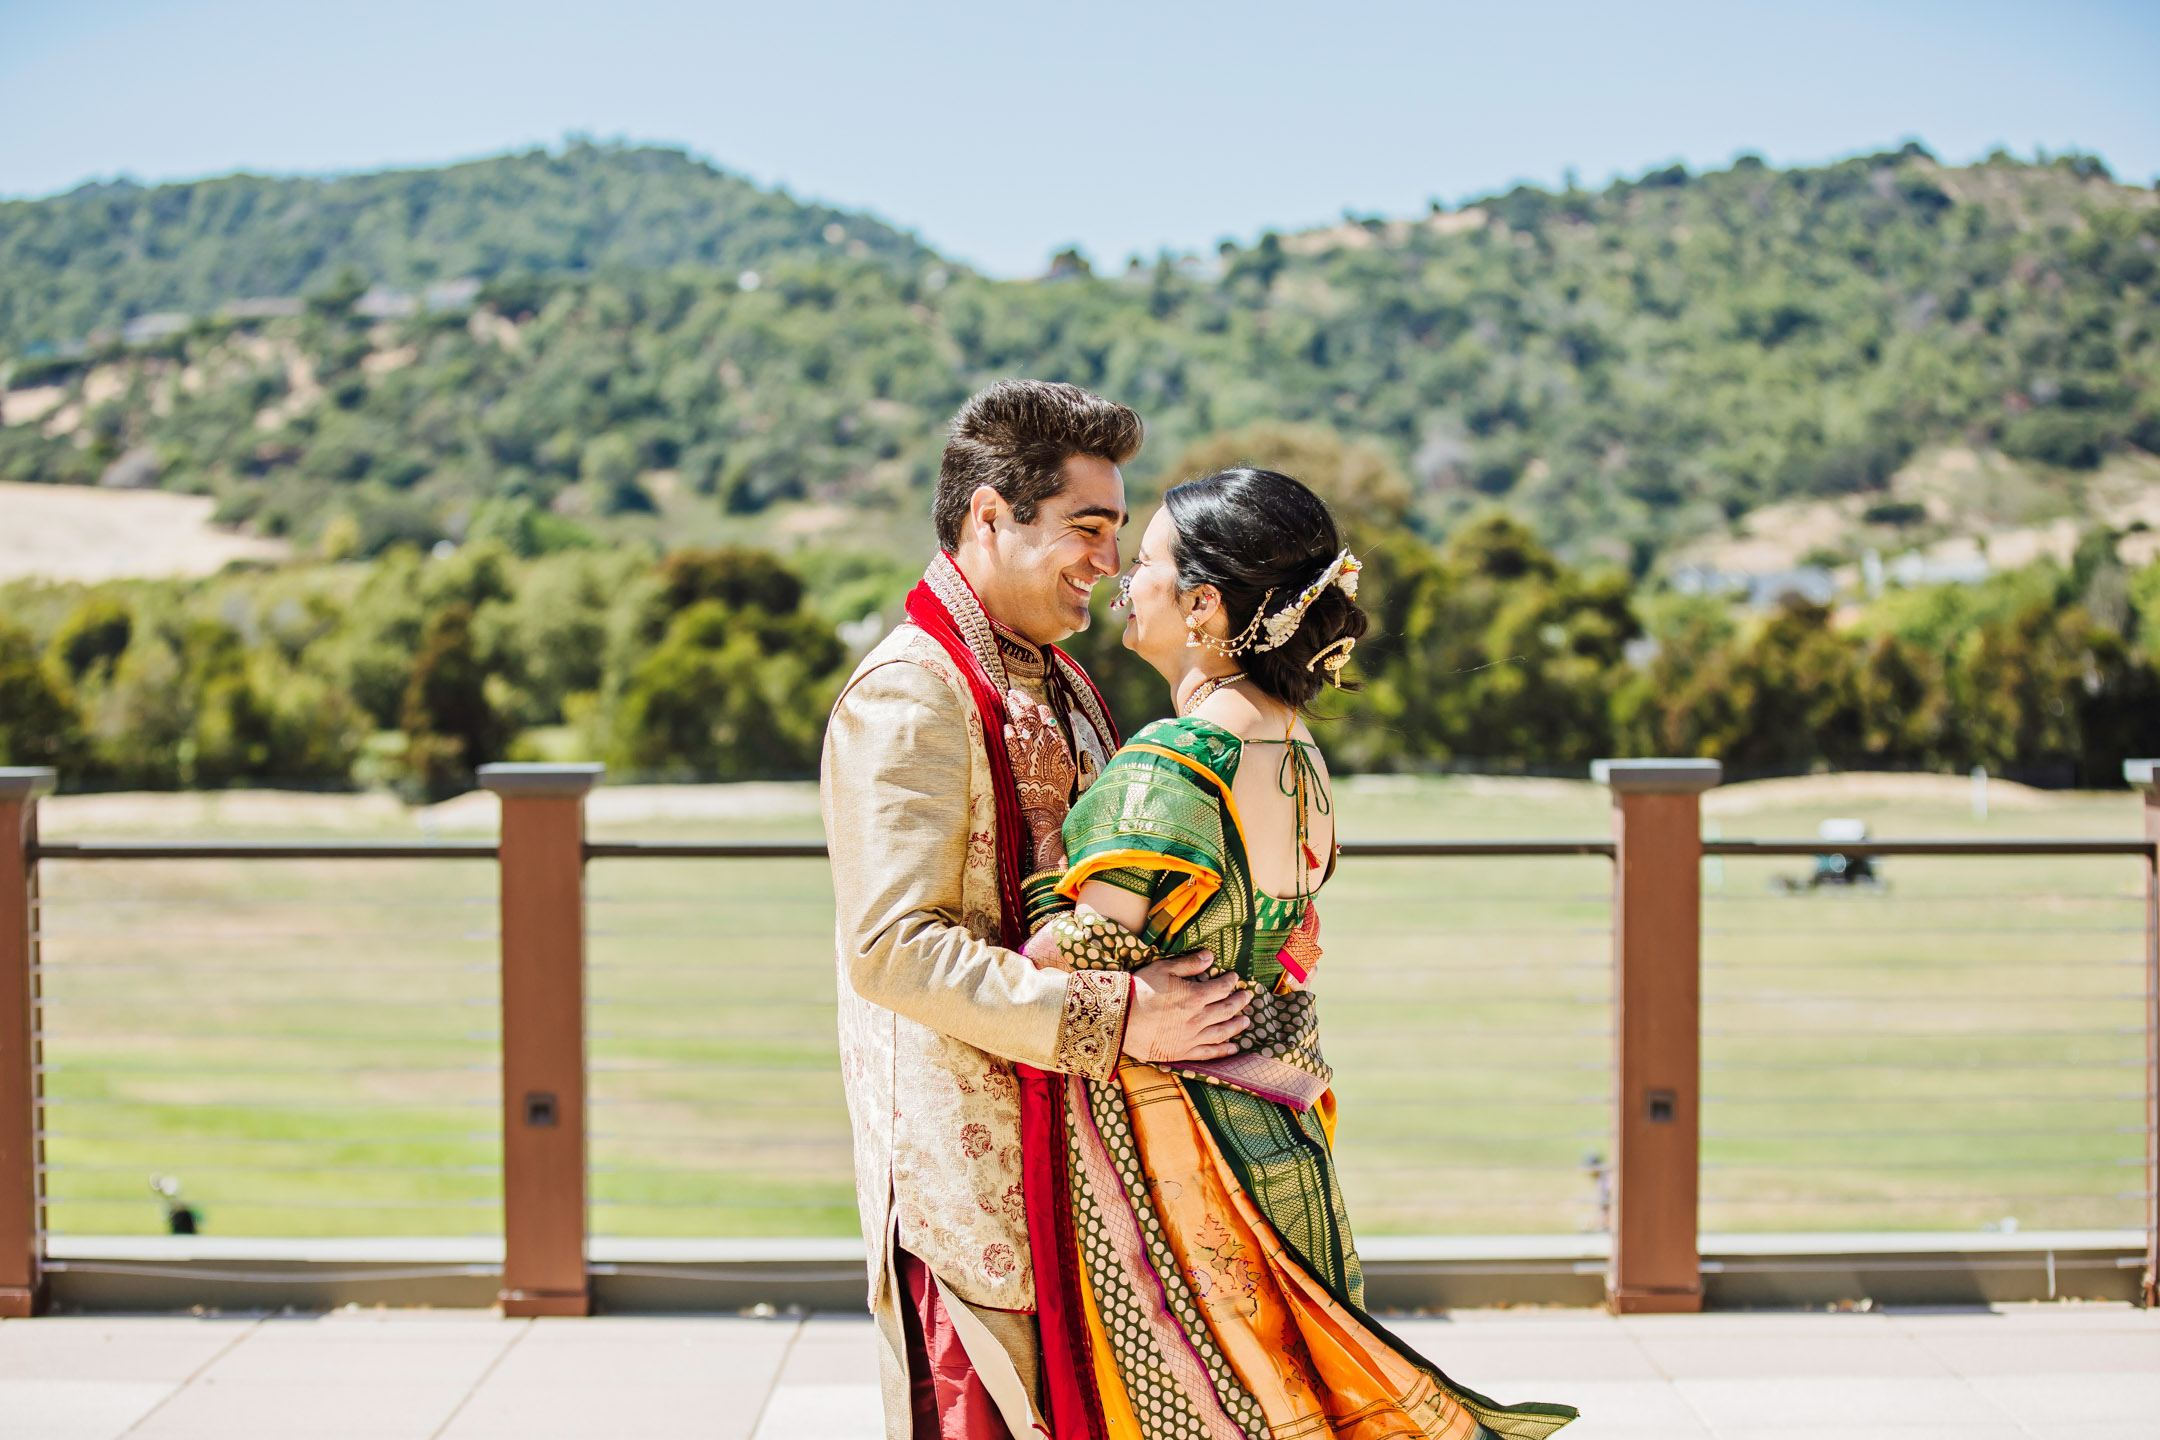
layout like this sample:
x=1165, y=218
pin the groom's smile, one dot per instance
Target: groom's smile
x=1036, y=577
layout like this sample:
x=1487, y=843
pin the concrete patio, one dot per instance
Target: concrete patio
x=2012, y=1372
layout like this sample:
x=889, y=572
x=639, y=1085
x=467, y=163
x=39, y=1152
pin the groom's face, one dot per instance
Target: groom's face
x=1044, y=570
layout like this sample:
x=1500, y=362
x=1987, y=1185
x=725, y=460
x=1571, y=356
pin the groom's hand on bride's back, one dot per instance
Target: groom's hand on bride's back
x=1177, y=1016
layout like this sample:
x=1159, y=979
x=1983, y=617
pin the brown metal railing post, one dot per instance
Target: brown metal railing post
x=543, y=1035
x=1657, y=1030
x=2146, y=775
x=22, y=1282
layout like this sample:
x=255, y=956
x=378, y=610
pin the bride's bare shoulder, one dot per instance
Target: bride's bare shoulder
x=1248, y=717
x=1235, y=711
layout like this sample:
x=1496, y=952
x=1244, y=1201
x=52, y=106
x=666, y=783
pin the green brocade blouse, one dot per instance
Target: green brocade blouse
x=1159, y=822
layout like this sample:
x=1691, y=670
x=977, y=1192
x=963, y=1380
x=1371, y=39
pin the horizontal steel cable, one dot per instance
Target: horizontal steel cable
x=225, y=1203
x=599, y=1202
x=731, y=1104
x=1995, y=1198
x=225, y=1071
x=60, y=968
x=55, y=1101
x=223, y=1167
x=2013, y=1166
x=126, y=1137
x=1910, y=1134
x=221, y=1002
x=1917, y=1065
x=313, y=1037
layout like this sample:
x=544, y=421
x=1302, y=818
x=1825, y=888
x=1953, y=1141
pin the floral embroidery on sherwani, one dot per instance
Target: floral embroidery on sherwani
x=937, y=1119
x=951, y=1142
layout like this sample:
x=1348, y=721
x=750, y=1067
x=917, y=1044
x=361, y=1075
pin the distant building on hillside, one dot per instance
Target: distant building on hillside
x=145, y=328
x=1960, y=567
x=264, y=307
x=1955, y=562
x=1764, y=590
x=456, y=294
x=382, y=303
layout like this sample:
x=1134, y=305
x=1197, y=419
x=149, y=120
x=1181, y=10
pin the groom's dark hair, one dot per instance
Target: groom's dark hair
x=1015, y=437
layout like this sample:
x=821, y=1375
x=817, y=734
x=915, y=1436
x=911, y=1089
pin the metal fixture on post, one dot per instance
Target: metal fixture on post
x=1657, y=1030
x=543, y=1035
x=2145, y=774
x=22, y=1282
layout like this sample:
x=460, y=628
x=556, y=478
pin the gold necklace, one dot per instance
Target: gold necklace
x=1206, y=688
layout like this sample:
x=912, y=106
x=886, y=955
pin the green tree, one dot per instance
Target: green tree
x=728, y=695
x=1493, y=651
x=90, y=642
x=262, y=720
x=738, y=578
x=1904, y=708
x=549, y=641
x=144, y=721
x=2074, y=439
x=1780, y=696
x=451, y=728
x=2014, y=685
x=38, y=722
x=609, y=469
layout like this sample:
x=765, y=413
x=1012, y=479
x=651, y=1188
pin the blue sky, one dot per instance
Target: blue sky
x=1002, y=132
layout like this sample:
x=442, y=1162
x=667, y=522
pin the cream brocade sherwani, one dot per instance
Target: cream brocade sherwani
x=933, y=1011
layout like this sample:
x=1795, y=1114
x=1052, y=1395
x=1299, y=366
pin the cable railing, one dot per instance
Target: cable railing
x=715, y=1065
x=1467, y=1012
x=627, y=1041
x=283, y=1047
x=1954, y=1041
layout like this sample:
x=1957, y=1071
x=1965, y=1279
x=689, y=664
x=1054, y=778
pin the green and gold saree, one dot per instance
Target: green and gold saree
x=1219, y=1282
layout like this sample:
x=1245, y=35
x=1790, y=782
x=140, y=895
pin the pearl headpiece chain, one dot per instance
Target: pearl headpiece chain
x=1280, y=626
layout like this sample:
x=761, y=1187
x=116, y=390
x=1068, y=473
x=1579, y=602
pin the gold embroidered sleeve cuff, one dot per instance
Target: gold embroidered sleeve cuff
x=1091, y=1032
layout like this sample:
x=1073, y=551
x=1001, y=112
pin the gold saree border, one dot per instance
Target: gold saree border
x=1179, y=906
x=1313, y=1368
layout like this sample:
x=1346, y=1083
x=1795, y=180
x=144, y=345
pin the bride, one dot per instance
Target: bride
x=1196, y=1267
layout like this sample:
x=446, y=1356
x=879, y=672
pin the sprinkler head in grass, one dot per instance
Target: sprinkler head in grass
x=181, y=1218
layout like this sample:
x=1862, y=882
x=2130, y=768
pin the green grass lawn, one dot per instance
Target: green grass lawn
x=311, y=1047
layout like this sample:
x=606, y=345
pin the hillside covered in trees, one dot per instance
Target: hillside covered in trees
x=607, y=453
x=104, y=254
x=655, y=343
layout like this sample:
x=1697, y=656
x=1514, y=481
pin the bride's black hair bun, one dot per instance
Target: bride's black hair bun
x=1246, y=532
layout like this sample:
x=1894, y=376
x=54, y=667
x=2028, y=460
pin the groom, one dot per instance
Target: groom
x=945, y=1030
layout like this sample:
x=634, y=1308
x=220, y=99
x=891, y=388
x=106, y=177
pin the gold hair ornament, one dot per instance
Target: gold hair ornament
x=1334, y=657
x=1342, y=570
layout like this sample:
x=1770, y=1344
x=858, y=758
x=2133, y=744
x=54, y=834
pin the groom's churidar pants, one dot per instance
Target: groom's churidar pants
x=947, y=1397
